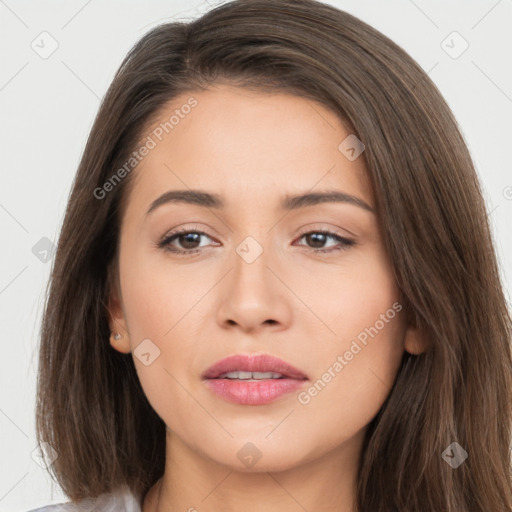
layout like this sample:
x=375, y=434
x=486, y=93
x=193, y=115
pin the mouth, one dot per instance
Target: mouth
x=255, y=367
x=251, y=376
x=253, y=379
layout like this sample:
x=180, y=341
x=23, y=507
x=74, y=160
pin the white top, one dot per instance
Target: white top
x=121, y=500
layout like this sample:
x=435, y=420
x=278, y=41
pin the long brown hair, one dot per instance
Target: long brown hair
x=91, y=408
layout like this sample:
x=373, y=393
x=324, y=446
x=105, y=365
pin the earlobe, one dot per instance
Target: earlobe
x=120, y=342
x=119, y=338
x=415, y=341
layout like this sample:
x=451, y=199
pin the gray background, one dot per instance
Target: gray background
x=48, y=103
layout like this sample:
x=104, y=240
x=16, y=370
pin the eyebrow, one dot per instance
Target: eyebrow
x=288, y=202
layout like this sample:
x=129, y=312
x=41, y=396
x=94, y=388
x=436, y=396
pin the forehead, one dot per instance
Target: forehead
x=247, y=146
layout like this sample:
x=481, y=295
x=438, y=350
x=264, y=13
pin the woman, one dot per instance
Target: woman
x=339, y=341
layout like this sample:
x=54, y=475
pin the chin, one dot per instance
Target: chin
x=258, y=457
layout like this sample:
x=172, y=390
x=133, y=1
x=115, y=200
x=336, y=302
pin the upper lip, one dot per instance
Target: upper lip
x=253, y=363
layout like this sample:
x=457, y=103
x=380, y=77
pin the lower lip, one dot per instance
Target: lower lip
x=253, y=393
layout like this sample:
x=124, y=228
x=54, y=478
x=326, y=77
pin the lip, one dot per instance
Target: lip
x=249, y=392
x=253, y=363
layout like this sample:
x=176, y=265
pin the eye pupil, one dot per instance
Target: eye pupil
x=317, y=238
x=189, y=238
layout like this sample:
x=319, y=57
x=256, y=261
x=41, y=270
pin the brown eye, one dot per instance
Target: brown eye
x=316, y=241
x=188, y=241
x=185, y=241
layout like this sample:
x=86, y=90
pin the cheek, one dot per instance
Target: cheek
x=158, y=296
x=351, y=383
x=155, y=301
x=159, y=306
x=350, y=296
x=355, y=368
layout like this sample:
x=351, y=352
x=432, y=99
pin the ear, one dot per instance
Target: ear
x=415, y=342
x=117, y=321
x=415, y=338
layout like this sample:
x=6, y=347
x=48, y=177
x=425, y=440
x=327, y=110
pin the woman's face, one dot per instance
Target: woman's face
x=257, y=276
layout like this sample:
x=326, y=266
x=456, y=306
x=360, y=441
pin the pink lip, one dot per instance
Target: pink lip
x=253, y=393
x=253, y=363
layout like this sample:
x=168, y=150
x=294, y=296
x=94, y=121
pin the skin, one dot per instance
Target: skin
x=252, y=148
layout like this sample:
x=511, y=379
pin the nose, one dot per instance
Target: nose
x=254, y=297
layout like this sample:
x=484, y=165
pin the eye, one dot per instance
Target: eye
x=189, y=240
x=186, y=237
x=319, y=238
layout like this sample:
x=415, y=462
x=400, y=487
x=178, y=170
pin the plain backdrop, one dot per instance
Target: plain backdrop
x=48, y=104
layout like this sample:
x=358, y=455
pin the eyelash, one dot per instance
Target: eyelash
x=166, y=241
